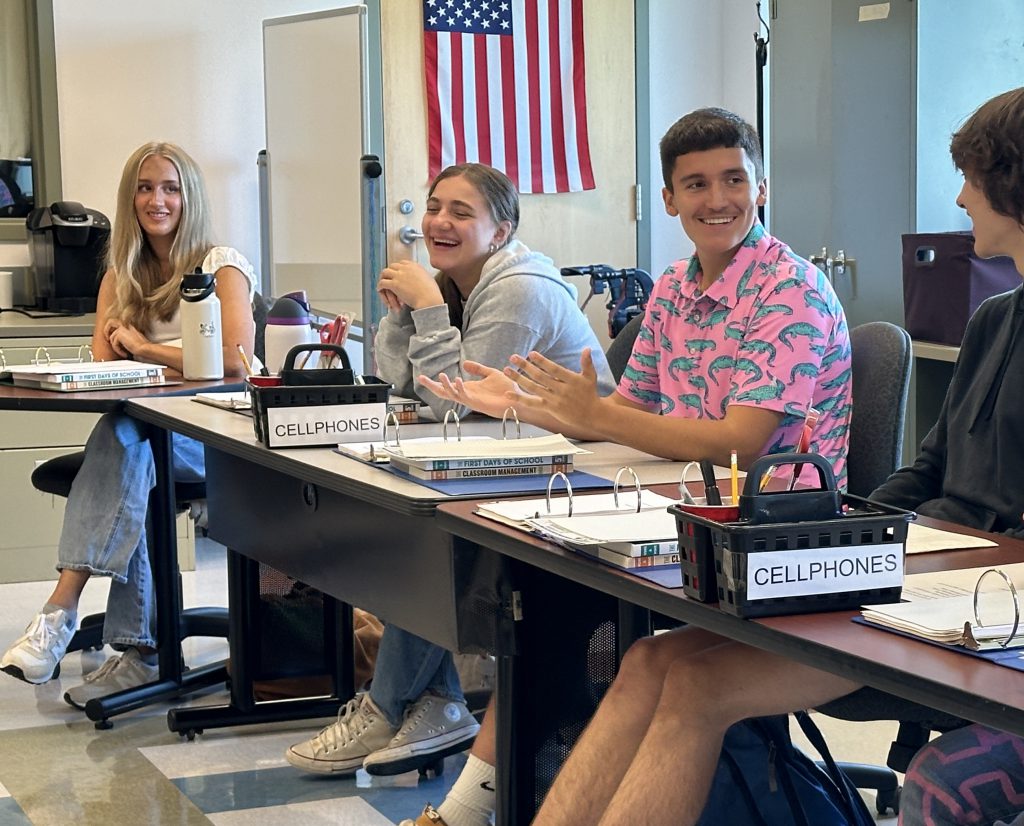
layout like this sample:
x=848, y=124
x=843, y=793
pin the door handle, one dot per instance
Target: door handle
x=833, y=267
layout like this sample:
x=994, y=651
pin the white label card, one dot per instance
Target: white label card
x=873, y=11
x=774, y=574
x=328, y=425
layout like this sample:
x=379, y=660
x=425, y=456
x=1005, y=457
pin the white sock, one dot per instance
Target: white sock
x=471, y=800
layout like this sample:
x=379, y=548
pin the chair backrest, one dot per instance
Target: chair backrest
x=881, y=382
x=621, y=347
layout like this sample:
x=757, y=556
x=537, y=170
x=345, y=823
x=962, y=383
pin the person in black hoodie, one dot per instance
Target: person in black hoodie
x=968, y=470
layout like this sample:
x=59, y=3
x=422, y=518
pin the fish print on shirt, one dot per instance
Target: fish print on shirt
x=770, y=332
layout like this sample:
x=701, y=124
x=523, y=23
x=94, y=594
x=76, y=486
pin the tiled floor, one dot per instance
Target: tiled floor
x=55, y=768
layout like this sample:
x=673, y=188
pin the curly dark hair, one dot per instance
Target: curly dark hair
x=989, y=150
x=704, y=129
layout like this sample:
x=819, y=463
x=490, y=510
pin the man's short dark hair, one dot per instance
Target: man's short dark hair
x=705, y=129
x=989, y=150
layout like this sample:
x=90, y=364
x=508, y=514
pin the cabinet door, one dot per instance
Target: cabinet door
x=25, y=429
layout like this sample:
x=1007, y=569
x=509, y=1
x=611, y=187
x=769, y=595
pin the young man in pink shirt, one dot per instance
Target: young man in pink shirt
x=737, y=344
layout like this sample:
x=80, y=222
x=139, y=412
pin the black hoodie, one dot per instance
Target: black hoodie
x=971, y=466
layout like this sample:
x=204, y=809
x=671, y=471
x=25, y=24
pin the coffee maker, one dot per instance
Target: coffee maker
x=68, y=246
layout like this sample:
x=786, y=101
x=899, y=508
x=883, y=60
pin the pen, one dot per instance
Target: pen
x=711, y=493
x=734, y=477
x=245, y=361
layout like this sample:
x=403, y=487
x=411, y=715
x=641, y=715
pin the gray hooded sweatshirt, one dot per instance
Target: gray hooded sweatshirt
x=521, y=303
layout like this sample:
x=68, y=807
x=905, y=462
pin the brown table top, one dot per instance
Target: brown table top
x=947, y=679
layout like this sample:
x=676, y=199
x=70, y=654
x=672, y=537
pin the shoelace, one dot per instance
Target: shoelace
x=413, y=716
x=340, y=732
x=40, y=634
x=110, y=665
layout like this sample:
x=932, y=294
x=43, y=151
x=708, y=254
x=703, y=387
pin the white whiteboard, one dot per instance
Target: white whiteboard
x=316, y=99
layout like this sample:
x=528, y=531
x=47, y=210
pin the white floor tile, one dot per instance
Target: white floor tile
x=348, y=811
x=234, y=751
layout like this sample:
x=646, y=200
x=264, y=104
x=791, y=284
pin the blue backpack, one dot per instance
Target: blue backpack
x=762, y=779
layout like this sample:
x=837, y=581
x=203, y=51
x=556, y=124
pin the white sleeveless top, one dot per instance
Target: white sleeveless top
x=169, y=332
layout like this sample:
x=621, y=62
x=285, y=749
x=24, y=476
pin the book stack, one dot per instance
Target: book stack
x=406, y=410
x=483, y=458
x=78, y=376
x=619, y=531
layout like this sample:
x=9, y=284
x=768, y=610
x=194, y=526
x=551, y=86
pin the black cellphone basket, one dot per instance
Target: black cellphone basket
x=798, y=519
x=315, y=388
x=298, y=377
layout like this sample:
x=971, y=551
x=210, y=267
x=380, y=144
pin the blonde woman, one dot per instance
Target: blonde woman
x=161, y=231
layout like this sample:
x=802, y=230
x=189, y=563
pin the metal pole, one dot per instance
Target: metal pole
x=374, y=251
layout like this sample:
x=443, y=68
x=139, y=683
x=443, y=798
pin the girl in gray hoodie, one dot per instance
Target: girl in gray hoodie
x=493, y=297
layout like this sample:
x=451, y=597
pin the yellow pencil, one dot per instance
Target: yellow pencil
x=734, y=474
x=245, y=361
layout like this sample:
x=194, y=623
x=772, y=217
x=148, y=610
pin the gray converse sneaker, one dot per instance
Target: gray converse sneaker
x=119, y=672
x=343, y=745
x=434, y=727
x=35, y=656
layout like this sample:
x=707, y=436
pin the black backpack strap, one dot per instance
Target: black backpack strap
x=855, y=809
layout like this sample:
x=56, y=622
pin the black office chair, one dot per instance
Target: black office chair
x=881, y=381
x=621, y=348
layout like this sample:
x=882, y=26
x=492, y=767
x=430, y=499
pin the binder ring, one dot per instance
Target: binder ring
x=458, y=426
x=504, y=418
x=88, y=350
x=46, y=354
x=636, y=485
x=1013, y=594
x=392, y=419
x=568, y=489
x=684, y=492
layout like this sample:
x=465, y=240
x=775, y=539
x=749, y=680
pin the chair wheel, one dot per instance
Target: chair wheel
x=888, y=800
x=435, y=769
x=103, y=725
x=190, y=735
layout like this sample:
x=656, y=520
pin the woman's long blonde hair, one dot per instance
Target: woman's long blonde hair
x=143, y=295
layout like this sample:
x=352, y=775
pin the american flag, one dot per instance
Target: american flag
x=506, y=87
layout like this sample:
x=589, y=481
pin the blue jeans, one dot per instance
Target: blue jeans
x=407, y=667
x=104, y=529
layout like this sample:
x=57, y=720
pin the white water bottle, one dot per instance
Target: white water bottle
x=202, y=352
x=288, y=324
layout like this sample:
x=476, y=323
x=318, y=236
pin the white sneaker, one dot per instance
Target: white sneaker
x=35, y=656
x=343, y=745
x=434, y=727
x=119, y=672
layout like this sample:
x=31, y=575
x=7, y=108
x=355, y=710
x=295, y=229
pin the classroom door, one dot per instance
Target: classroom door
x=842, y=144
x=576, y=228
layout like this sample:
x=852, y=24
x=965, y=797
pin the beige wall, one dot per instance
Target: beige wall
x=192, y=71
